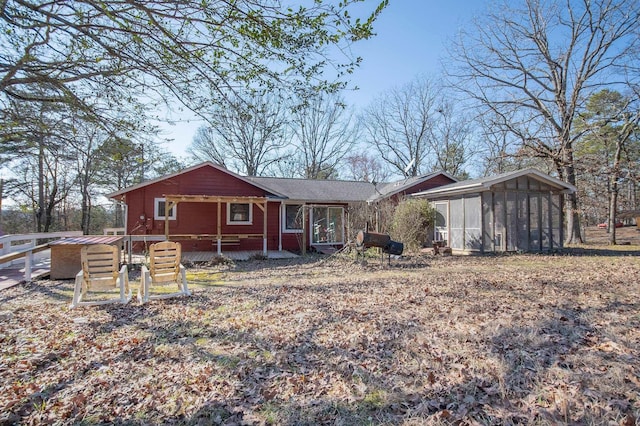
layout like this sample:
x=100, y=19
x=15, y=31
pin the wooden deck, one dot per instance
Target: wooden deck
x=14, y=274
x=206, y=256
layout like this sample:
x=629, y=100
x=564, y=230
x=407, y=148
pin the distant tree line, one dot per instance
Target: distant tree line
x=408, y=131
x=549, y=84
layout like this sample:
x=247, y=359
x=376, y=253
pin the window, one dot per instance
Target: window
x=293, y=215
x=239, y=214
x=159, y=210
x=327, y=225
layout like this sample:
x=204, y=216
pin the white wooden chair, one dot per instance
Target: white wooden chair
x=164, y=269
x=100, y=275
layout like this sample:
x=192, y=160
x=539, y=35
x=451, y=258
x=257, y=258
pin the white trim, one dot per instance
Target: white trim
x=486, y=183
x=550, y=180
x=244, y=222
x=156, y=208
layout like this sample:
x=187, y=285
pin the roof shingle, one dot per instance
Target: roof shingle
x=318, y=190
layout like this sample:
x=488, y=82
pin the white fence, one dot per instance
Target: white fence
x=26, y=244
x=15, y=247
x=114, y=231
x=20, y=248
x=23, y=242
x=128, y=241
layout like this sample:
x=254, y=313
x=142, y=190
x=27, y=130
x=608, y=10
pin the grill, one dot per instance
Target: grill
x=366, y=239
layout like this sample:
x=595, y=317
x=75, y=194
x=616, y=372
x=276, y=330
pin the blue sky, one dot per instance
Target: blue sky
x=411, y=39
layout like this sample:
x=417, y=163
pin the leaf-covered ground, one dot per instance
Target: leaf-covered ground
x=519, y=339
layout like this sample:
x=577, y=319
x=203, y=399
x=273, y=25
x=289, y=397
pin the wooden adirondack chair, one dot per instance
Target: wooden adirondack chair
x=164, y=269
x=100, y=273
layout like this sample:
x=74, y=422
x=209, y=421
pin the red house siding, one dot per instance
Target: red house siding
x=434, y=182
x=210, y=181
x=293, y=241
x=200, y=218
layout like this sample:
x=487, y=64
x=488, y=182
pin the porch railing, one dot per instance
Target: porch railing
x=21, y=247
x=15, y=247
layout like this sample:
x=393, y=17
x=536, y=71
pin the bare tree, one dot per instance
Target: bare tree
x=500, y=151
x=418, y=128
x=628, y=126
x=367, y=168
x=535, y=63
x=497, y=147
x=397, y=125
x=45, y=179
x=246, y=136
x=451, y=140
x=87, y=166
x=205, y=147
x=324, y=132
x=103, y=159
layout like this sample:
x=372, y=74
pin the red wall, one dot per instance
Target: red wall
x=434, y=182
x=200, y=217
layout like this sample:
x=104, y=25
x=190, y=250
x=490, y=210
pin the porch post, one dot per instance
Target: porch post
x=304, y=229
x=280, y=221
x=218, y=230
x=167, y=208
x=264, y=230
x=550, y=218
x=28, y=261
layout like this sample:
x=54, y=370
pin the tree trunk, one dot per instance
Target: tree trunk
x=86, y=214
x=1, y=191
x=41, y=201
x=119, y=223
x=613, y=204
x=50, y=207
x=574, y=233
x=85, y=202
x=609, y=191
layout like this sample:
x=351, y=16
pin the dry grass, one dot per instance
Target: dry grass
x=533, y=339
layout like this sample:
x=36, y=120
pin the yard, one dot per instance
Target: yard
x=533, y=339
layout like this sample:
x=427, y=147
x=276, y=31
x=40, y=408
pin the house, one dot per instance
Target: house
x=207, y=208
x=515, y=211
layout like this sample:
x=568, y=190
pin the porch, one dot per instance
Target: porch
x=26, y=261
x=206, y=256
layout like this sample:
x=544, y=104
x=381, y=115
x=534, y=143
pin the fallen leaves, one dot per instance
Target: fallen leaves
x=498, y=340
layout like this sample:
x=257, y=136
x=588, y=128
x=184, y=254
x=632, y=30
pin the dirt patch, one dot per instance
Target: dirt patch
x=542, y=339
